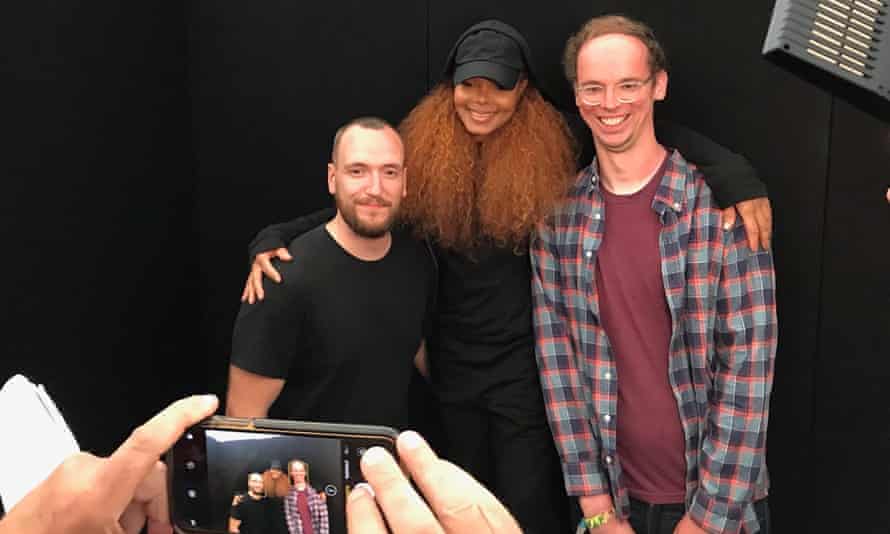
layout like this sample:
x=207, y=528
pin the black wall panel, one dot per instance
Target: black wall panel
x=96, y=201
x=851, y=433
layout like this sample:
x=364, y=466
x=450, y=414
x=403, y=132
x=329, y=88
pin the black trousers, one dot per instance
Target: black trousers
x=648, y=518
x=502, y=438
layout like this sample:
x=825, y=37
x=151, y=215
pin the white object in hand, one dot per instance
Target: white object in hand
x=35, y=438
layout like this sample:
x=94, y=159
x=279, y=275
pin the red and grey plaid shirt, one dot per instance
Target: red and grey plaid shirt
x=721, y=297
x=318, y=509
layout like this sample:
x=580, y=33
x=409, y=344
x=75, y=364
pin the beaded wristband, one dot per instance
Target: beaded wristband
x=596, y=521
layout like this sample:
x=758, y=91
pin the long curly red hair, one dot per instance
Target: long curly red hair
x=462, y=192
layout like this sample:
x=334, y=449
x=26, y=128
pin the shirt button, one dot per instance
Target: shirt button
x=597, y=216
x=676, y=206
x=607, y=418
x=607, y=375
x=609, y=460
x=589, y=254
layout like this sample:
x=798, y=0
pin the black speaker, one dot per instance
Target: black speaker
x=846, y=38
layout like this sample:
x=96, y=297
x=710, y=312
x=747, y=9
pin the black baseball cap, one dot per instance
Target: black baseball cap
x=497, y=26
x=491, y=54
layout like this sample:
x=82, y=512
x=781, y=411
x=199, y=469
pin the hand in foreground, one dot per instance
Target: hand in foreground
x=262, y=264
x=114, y=495
x=458, y=504
x=757, y=216
x=688, y=526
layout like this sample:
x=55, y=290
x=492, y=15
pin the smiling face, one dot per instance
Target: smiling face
x=609, y=61
x=483, y=107
x=298, y=472
x=367, y=179
x=255, y=484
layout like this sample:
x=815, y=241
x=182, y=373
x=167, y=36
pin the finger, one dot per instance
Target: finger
x=246, y=293
x=268, y=269
x=153, y=494
x=256, y=280
x=765, y=219
x=728, y=218
x=251, y=294
x=135, y=510
x=283, y=254
x=159, y=527
x=752, y=230
x=405, y=511
x=362, y=514
x=134, y=460
x=765, y=237
x=133, y=518
x=462, y=504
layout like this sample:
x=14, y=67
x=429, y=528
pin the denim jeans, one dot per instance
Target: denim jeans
x=648, y=518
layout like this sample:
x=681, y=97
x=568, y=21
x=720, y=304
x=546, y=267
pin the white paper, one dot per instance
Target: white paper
x=35, y=438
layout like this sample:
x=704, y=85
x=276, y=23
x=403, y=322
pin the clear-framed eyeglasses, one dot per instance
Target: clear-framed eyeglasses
x=626, y=92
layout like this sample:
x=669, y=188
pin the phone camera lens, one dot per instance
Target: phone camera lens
x=190, y=465
x=191, y=493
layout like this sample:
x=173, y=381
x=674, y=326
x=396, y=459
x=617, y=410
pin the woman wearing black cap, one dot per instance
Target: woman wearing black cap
x=489, y=156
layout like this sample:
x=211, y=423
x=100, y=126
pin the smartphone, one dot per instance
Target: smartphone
x=241, y=475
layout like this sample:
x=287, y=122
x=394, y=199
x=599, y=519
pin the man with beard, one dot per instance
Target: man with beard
x=248, y=515
x=336, y=342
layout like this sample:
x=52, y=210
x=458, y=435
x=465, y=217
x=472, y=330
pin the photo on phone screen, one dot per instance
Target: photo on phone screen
x=264, y=481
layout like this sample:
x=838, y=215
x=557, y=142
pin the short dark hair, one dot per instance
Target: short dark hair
x=611, y=24
x=371, y=123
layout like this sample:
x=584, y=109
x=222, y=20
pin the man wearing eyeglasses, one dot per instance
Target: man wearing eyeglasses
x=655, y=323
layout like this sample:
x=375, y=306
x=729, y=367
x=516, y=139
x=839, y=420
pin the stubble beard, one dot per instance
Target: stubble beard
x=354, y=222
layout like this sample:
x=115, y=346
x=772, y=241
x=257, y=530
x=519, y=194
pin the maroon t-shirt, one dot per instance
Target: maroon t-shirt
x=303, y=507
x=637, y=321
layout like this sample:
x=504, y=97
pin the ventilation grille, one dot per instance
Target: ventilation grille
x=844, y=37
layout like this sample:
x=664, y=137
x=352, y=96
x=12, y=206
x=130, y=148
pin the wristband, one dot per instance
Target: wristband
x=595, y=521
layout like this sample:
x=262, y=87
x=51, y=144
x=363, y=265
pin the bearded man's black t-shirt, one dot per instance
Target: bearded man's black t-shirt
x=341, y=331
x=253, y=515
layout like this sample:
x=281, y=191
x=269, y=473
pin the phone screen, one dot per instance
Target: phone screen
x=227, y=480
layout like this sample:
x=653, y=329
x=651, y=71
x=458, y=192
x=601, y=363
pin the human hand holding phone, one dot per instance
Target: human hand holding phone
x=455, y=502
